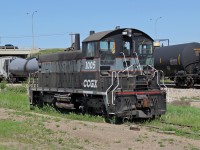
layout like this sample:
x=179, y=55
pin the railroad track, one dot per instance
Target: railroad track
x=172, y=85
x=176, y=125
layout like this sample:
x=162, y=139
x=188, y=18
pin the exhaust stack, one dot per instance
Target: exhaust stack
x=77, y=42
x=92, y=32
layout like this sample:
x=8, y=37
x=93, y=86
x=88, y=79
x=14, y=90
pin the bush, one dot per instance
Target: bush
x=3, y=85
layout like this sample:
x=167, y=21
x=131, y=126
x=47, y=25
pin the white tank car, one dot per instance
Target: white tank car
x=22, y=67
x=4, y=65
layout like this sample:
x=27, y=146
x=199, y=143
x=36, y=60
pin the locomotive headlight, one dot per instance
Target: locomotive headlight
x=124, y=33
x=127, y=32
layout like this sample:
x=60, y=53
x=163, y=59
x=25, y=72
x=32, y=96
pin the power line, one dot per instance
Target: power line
x=42, y=35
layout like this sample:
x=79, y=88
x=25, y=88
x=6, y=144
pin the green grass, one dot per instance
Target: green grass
x=14, y=100
x=182, y=115
x=3, y=84
x=31, y=133
x=9, y=128
x=68, y=115
x=3, y=147
x=85, y=117
x=48, y=51
x=17, y=98
x=167, y=81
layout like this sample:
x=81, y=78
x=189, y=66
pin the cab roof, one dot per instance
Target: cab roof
x=100, y=35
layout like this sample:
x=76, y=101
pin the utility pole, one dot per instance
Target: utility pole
x=156, y=26
x=33, y=40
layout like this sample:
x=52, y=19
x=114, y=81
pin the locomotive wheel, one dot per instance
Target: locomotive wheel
x=113, y=119
x=37, y=100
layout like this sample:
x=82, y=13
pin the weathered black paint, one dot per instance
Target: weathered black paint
x=77, y=81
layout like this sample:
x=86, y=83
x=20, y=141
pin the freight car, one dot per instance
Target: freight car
x=20, y=68
x=104, y=78
x=10, y=66
x=5, y=73
x=180, y=63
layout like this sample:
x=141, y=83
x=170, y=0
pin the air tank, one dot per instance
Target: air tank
x=174, y=58
x=22, y=67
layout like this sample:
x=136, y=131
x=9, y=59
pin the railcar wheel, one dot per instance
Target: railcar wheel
x=189, y=82
x=179, y=83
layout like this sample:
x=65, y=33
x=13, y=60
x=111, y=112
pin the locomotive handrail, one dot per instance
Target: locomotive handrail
x=154, y=74
x=163, y=80
x=34, y=76
x=114, y=74
x=138, y=63
x=163, y=83
x=125, y=61
x=118, y=82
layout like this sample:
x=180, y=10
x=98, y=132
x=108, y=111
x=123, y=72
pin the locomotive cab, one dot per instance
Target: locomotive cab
x=121, y=43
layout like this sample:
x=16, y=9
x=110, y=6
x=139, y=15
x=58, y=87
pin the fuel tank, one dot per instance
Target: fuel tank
x=22, y=67
x=174, y=58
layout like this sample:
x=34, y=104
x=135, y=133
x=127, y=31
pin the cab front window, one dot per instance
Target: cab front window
x=145, y=49
x=145, y=52
x=126, y=48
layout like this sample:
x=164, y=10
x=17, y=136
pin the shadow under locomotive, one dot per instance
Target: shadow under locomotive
x=107, y=77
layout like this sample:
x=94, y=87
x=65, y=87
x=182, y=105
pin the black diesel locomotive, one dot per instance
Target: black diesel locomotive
x=180, y=63
x=106, y=77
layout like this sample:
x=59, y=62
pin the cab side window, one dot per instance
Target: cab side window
x=90, y=51
x=107, y=46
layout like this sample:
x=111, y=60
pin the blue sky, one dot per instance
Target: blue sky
x=55, y=19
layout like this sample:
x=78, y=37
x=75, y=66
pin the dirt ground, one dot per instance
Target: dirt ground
x=177, y=93
x=191, y=95
x=104, y=136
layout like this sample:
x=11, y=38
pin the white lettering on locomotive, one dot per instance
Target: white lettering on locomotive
x=90, y=64
x=90, y=83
